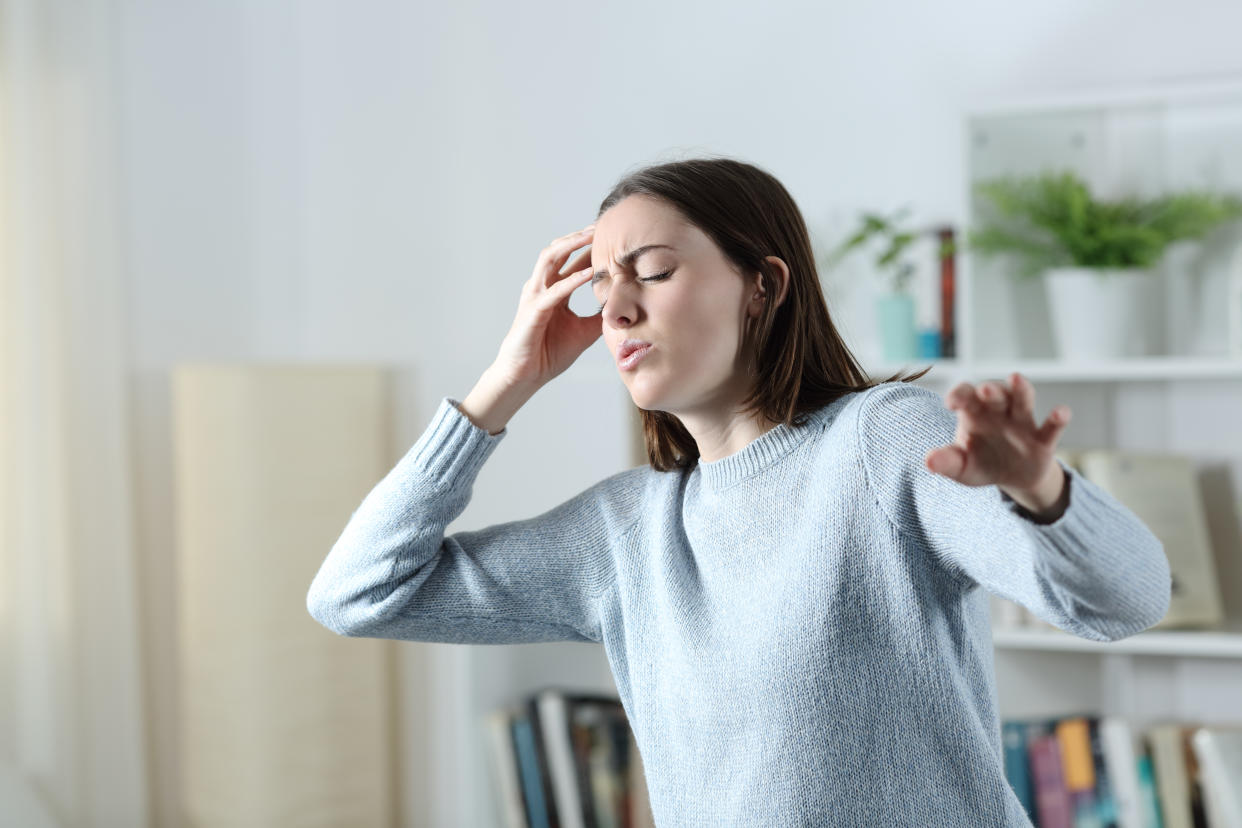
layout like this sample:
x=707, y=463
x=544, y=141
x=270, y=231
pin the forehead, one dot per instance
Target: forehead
x=636, y=222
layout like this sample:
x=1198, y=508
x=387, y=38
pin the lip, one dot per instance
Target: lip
x=631, y=344
x=631, y=352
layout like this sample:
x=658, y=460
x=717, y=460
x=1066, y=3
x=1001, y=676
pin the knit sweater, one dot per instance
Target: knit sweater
x=799, y=632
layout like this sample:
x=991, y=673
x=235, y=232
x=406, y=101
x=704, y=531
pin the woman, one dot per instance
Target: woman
x=792, y=595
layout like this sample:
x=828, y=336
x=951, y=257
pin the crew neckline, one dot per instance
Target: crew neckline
x=761, y=452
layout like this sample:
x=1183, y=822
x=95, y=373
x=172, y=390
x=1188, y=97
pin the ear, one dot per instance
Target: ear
x=781, y=271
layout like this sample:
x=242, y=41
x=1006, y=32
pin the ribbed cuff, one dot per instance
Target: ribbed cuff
x=1020, y=510
x=1101, y=545
x=452, y=445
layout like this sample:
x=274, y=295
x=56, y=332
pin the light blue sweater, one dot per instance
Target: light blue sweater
x=799, y=632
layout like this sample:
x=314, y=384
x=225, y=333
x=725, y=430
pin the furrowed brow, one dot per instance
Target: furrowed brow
x=627, y=260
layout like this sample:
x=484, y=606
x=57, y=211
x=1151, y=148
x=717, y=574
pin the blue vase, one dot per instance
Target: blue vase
x=929, y=343
x=897, y=334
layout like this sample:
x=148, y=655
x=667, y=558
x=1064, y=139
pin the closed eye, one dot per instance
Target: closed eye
x=659, y=277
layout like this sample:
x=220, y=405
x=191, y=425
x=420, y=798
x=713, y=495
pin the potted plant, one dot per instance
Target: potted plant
x=895, y=309
x=1096, y=257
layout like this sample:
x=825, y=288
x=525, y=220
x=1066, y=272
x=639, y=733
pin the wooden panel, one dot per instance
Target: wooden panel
x=282, y=722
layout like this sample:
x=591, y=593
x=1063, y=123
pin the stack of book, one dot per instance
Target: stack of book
x=563, y=759
x=1106, y=772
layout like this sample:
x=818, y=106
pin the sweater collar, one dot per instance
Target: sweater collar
x=760, y=453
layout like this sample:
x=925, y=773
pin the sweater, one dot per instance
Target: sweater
x=799, y=632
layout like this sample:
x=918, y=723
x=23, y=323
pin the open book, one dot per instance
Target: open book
x=1163, y=491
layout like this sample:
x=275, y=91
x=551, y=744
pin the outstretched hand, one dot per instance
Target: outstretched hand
x=998, y=441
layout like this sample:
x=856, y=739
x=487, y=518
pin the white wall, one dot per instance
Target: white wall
x=373, y=181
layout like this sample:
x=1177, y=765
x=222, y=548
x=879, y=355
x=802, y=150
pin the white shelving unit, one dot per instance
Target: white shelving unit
x=1187, y=399
x=1153, y=643
x=1139, y=369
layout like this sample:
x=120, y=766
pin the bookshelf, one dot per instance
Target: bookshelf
x=1185, y=397
x=1188, y=398
x=1139, y=369
x=1187, y=644
x=1171, y=403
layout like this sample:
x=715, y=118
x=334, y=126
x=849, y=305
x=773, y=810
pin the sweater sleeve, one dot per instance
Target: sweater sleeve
x=393, y=574
x=1097, y=571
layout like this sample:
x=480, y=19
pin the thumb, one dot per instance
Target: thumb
x=949, y=461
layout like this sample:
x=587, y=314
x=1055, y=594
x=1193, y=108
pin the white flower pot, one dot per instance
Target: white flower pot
x=1102, y=313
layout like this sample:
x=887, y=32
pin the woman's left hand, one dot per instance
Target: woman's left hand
x=997, y=439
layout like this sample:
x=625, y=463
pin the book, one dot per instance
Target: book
x=602, y=736
x=1149, y=798
x=948, y=291
x=1162, y=490
x=560, y=769
x=1017, y=764
x=1105, y=810
x=1052, y=800
x=506, y=777
x=1087, y=770
x=1121, y=763
x=1172, y=782
x=1219, y=752
x=1077, y=768
x=535, y=791
x=562, y=758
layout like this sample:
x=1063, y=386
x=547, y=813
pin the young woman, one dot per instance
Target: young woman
x=792, y=595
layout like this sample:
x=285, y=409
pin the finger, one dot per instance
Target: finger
x=1023, y=407
x=949, y=461
x=963, y=397
x=1057, y=420
x=576, y=266
x=553, y=257
x=994, y=396
x=561, y=290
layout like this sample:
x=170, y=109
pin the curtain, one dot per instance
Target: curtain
x=72, y=746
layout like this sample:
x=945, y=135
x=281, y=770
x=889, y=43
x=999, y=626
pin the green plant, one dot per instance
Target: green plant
x=1051, y=220
x=897, y=239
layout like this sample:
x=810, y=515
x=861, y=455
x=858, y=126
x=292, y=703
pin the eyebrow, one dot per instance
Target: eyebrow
x=630, y=258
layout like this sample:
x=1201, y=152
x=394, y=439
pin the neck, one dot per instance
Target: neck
x=719, y=434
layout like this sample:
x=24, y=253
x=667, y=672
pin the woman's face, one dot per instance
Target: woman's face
x=693, y=317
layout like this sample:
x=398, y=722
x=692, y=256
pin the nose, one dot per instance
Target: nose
x=620, y=309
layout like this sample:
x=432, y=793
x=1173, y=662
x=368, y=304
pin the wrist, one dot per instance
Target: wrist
x=493, y=400
x=1047, y=500
x=501, y=381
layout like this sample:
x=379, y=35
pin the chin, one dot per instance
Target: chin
x=649, y=399
x=641, y=397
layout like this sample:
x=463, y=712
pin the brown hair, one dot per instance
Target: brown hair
x=799, y=360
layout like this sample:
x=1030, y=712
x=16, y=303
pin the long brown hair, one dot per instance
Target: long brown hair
x=798, y=359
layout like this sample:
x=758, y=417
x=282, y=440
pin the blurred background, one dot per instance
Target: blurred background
x=247, y=247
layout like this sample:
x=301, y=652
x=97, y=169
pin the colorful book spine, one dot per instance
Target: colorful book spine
x=948, y=291
x=1017, y=765
x=1073, y=738
x=1105, y=799
x=525, y=742
x=1052, y=799
x=1153, y=816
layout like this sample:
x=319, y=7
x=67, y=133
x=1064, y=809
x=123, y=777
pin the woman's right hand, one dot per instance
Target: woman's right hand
x=546, y=336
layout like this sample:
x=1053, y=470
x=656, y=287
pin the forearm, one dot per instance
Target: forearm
x=494, y=400
x=394, y=539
